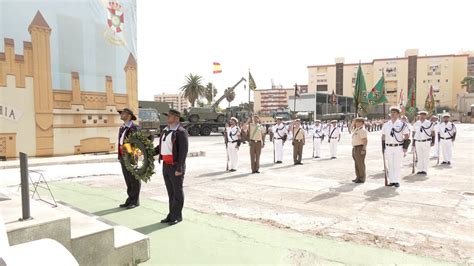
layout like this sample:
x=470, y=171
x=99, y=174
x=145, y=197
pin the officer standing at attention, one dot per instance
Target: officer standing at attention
x=133, y=184
x=280, y=134
x=173, y=150
x=334, y=136
x=359, y=148
x=233, y=143
x=318, y=137
x=423, y=139
x=435, y=150
x=447, y=134
x=298, y=135
x=256, y=135
x=395, y=142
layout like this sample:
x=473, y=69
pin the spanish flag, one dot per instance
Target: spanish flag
x=217, y=68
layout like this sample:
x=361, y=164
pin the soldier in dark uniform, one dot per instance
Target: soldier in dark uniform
x=133, y=184
x=173, y=150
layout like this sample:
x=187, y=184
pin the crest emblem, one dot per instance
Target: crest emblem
x=115, y=22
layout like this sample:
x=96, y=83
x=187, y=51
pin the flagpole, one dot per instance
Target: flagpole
x=249, y=91
x=315, y=102
x=383, y=93
x=294, y=101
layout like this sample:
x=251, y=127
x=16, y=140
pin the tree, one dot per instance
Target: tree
x=210, y=92
x=468, y=83
x=229, y=96
x=193, y=88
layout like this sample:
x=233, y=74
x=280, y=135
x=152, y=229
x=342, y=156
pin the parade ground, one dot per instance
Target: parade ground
x=299, y=215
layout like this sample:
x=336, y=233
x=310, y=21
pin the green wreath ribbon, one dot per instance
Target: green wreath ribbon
x=139, y=144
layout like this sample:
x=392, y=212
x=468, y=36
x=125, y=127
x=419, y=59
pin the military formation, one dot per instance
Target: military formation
x=427, y=138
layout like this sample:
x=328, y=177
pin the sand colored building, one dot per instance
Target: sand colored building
x=443, y=72
x=177, y=99
x=269, y=100
x=40, y=120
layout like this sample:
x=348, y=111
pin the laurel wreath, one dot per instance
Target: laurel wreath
x=140, y=144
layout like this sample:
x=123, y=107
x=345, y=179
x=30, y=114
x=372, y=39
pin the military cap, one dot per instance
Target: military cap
x=333, y=121
x=422, y=112
x=173, y=112
x=360, y=119
x=446, y=115
x=128, y=111
x=395, y=108
x=235, y=119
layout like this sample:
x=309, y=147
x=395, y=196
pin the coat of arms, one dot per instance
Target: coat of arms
x=115, y=21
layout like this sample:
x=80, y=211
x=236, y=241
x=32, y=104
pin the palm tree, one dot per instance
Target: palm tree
x=193, y=88
x=210, y=93
x=468, y=82
x=229, y=96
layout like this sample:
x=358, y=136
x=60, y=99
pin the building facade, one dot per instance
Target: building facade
x=442, y=72
x=40, y=120
x=178, y=100
x=267, y=101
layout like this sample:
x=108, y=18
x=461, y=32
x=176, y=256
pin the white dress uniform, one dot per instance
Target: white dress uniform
x=423, y=132
x=279, y=132
x=333, y=133
x=447, y=132
x=233, y=137
x=393, y=132
x=318, y=133
x=435, y=149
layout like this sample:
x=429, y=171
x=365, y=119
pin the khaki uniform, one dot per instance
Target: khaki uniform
x=298, y=143
x=357, y=147
x=256, y=135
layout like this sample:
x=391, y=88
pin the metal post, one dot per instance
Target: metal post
x=315, y=102
x=25, y=190
x=327, y=102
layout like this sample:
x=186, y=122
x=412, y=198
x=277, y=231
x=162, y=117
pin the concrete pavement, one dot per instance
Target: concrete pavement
x=428, y=215
x=204, y=239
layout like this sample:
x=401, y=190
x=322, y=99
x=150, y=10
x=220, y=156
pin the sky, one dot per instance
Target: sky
x=278, y=39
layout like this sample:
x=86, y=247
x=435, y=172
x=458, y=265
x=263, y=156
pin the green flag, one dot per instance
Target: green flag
x=411, y=100
x=376, y=95
x=430, y=101
x=360, y=92
x=252, y=84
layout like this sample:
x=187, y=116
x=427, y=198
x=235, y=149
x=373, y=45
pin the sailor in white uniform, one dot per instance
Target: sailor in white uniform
x=318, y=136
x=423, y=139
x=447, y=135
x=233, y=143
x=395, y=142
x=280, y=134
x=435, y=149
x=334, y=136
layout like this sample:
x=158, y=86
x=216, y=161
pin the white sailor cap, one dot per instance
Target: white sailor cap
x=422, y=112
x=395, y=108
x=317, y=121
x=279, y=118
x=434, y=116
x=334, y=121
x=360, y=119
x=235, y=119
x=446, y=115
